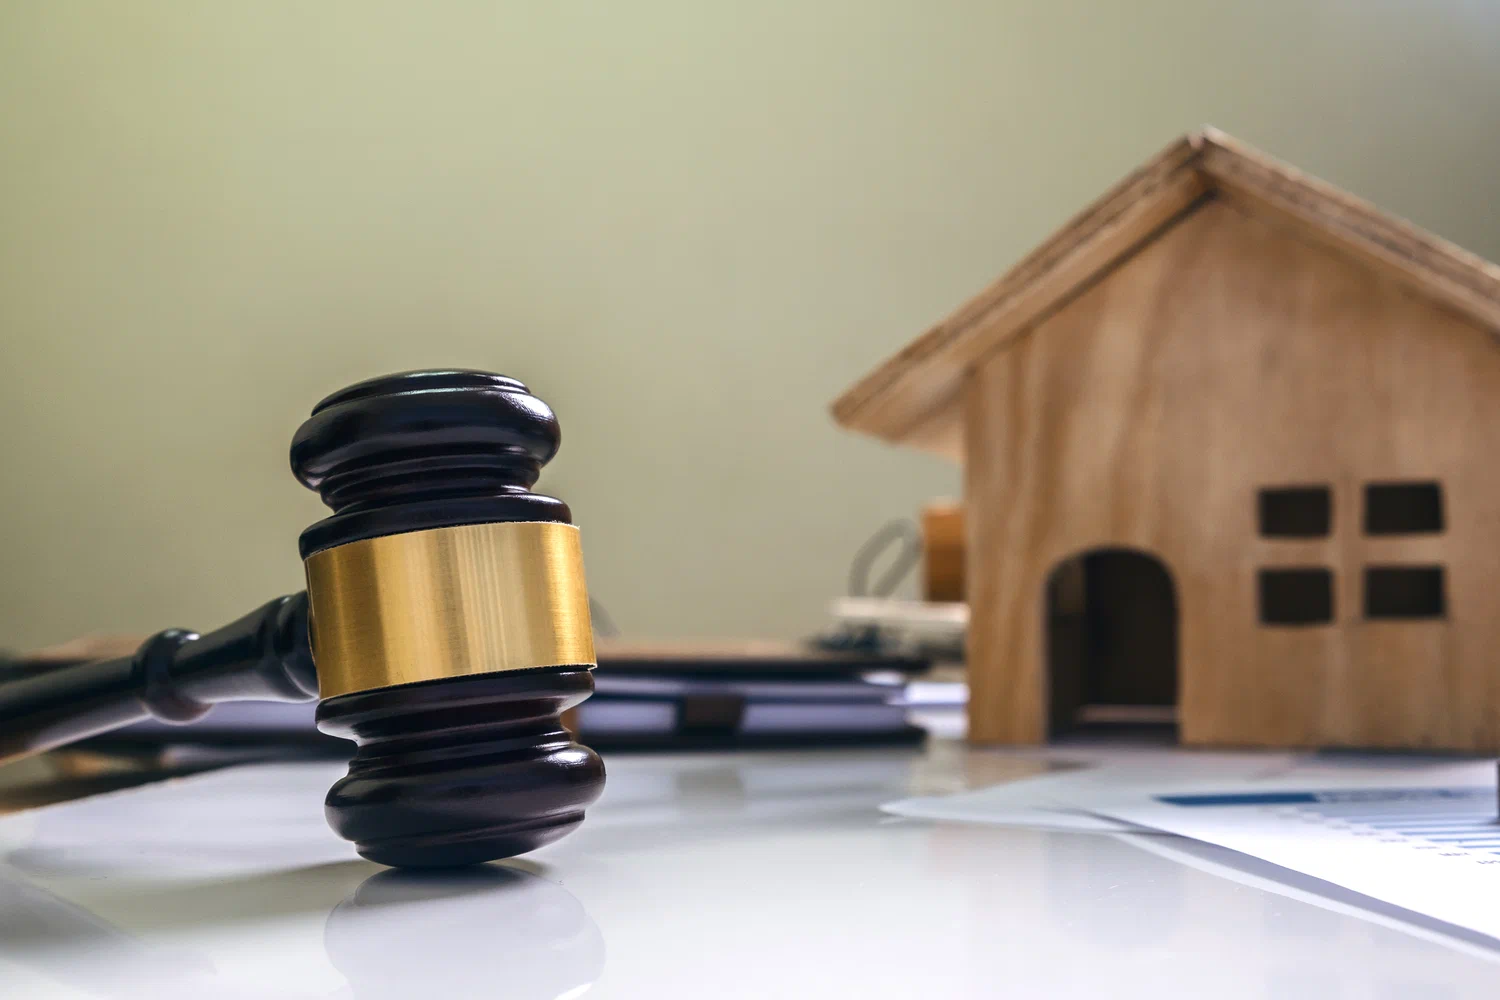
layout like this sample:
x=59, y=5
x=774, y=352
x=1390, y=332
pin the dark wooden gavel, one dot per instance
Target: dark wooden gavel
x=445, y=627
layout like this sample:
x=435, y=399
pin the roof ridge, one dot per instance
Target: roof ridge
x=925, y=376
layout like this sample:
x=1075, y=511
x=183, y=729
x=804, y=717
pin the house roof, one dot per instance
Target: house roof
x=912, y=398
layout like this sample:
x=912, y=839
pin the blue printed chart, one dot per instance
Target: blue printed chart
x=1435, y=850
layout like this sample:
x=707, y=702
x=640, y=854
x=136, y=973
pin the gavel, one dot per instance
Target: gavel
x=445, y=628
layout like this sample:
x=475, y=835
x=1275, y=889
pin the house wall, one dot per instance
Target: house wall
x=1228, y=355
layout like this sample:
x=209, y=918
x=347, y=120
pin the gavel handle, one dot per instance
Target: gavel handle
x=175, y=676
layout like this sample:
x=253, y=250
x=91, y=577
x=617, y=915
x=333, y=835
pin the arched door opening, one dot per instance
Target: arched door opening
x=1111, y=620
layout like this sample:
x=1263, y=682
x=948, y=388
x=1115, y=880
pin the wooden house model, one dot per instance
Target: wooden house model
x=1229, y=446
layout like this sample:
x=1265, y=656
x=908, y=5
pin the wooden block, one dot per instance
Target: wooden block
x=943, y=545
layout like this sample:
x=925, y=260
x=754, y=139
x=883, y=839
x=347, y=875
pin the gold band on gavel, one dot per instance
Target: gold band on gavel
x=447, y=602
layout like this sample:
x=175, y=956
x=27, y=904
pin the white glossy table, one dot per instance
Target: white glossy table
x=749, y=875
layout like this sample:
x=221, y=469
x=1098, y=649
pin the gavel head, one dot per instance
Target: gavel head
x=449, y=618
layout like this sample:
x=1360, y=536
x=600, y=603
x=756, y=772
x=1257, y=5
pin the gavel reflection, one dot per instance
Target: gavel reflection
x=469, y=932
x=489, y=931
x=445, y=628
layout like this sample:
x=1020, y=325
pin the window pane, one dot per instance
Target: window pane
x=1296, y=512
x=1405, y=592
x=1302, y=596
x=1403, y=508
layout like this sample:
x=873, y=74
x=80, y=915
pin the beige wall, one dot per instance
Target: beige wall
x=687, y=225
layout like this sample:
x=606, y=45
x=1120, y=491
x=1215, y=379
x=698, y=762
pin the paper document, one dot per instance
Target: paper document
x=1432, y=848
x=1064, y=798
x=1418, y=834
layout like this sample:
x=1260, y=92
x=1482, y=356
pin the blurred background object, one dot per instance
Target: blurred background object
x=943, y=551
x=686, y=226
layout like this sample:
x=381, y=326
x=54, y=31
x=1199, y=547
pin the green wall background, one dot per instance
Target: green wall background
x=687, y=225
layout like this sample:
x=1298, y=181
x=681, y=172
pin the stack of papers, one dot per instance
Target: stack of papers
x=1409, y=841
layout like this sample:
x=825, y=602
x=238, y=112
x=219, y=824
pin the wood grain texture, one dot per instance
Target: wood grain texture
x=1234, y=353
x=1428, y=264
x=918, y=385
x=912, y=398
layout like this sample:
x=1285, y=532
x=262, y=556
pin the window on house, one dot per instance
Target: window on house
x=1299, y=596
x=1296, y=512
x=1403, y=508
x=1405, y=592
